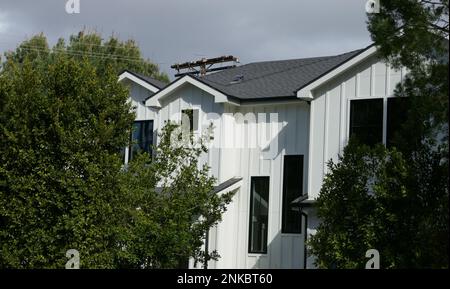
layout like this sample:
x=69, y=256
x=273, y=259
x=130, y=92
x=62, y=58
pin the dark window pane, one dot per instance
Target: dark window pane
x=259, y=210
x=366, y=120
x=396, y=115
x=141, y=138
x=292, y=189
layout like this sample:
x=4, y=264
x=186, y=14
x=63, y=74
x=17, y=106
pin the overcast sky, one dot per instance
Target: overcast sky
x=170, y=31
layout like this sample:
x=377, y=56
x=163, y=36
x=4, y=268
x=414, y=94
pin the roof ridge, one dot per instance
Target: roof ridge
x=320, y=59
x=149, y=79
x=304, y=58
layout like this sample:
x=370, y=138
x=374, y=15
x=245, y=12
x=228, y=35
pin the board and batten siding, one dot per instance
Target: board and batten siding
x=190, y=97
x=138, y=94
x=330, y=112
x=232, y=234
x=318, y=130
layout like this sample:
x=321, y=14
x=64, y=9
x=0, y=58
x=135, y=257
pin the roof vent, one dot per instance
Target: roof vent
x=238, y=78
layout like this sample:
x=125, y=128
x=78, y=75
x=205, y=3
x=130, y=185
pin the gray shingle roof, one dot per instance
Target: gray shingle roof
x=159, y=84
x=273, y=79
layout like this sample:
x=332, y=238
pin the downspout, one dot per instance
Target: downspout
x=205, y=264
x=305, y=256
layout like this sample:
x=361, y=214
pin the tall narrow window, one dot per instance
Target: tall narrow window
x=292, y=189
x=366, y=120
x=193, y=118
x=259, y=211
x=397, y=108
x=141, y=138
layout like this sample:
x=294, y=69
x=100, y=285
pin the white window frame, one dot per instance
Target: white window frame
x=199, y=122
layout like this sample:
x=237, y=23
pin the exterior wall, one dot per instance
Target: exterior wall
x=318, y=130
x=330, y=112
x=187, y=97
x=289, y=135
x=330, y=118
x=137, y=96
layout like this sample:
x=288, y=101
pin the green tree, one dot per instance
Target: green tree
x=396, y=200
x=61, y=126
x=411, y=33
x=118, y=55
x=414, y=34
x=173, y=204
x=63, y=122
x=368, y=201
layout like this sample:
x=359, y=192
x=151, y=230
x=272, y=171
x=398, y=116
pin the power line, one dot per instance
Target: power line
x=83, y=53
x=87, y=44
x=68, y=43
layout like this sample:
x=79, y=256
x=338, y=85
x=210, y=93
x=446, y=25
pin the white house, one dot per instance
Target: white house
x=277, y=123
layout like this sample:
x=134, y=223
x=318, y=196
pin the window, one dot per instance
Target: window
x=366, y=120
x=141, y=138
x=397, y=108
x=192, y=115
x=259, y=211
x=292, y=189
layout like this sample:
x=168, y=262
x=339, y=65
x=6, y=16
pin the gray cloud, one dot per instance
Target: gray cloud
x=170, y=31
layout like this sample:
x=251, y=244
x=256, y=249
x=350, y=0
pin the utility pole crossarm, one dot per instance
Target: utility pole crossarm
x=200, y=66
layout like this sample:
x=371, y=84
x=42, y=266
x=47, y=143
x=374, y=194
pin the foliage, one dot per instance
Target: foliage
x=63, y=185
x=61, y=126
x=173, y=204
x=369, y=200
x=409, y=32
x=396, y=200
x=119, y=55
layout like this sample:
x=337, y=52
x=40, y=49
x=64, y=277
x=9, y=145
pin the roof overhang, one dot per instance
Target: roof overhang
x=156, y=99
x=306, y=92
x=302, y=202
x=126, y=75
x=222, y=188
x=228, y=186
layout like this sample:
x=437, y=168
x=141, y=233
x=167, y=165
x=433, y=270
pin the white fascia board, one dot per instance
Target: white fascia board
x=155, y=101
x=305, y=93
x=137, y=80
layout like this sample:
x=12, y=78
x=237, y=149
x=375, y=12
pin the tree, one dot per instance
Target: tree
x=368, y=201
x=411, y=33
x=62, y=125
x=396, y=200
x=414, y=34
x=173, y=204
x=102, y=54
x=63, y=122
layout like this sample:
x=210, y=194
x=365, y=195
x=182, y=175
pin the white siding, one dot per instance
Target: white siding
x=137, y=96
x=330, y=112
x=187, y=97
x=318, y=130
x=290, y=134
